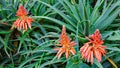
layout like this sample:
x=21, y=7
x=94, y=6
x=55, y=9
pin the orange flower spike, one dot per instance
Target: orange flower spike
x=97, y=37
x=23, y=22
x=21, y=11
x=93, y=48
x=64, y=39
x=67, y=45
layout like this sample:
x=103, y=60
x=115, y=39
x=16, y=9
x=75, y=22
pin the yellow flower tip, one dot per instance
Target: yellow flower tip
x=12, y=27
x=63, y=30
x=24, y=31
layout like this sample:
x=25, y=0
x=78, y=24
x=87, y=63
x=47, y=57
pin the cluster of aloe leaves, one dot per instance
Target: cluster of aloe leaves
x=35, y=47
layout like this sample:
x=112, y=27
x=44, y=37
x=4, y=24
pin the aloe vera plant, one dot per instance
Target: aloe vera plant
x=35, y=47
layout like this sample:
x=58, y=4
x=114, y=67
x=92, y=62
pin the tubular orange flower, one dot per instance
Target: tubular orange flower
x=23, y=22
x=67, y=45
x=93, y=48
